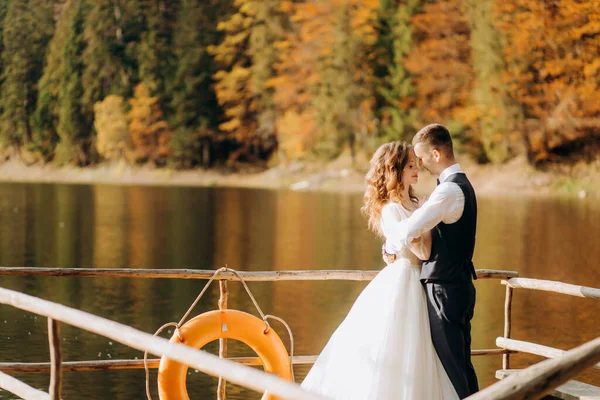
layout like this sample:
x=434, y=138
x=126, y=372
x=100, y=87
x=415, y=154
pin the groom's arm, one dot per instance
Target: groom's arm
x=442, y=202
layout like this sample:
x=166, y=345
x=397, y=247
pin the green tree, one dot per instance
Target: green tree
x=155, y=50
x=394, y=84
x=3, y=9
x=491, y=114
x=27, y=29
x=325, y=76
x=109, y=33
x=193, y=106
x=245, y=60
x=59, y=121
x=343, y=97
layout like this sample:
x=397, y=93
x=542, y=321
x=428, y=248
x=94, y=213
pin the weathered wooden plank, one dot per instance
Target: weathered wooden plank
x=198, y=359
x=101, y=365
x=531, y=348
x=21, y=389
x=542, y=378
x=557, y=287
x=250, y=276
x=572, y=390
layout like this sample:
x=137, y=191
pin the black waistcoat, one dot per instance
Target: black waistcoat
x=453, y=244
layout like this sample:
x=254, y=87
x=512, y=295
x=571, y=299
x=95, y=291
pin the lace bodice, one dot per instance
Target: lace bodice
x=392, y=212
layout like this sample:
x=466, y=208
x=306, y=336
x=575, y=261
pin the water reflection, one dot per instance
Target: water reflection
x=143, y=227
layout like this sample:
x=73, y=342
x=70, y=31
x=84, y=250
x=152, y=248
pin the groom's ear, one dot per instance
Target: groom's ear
x=436, y=155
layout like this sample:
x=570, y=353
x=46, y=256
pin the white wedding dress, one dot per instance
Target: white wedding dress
x=383, y=350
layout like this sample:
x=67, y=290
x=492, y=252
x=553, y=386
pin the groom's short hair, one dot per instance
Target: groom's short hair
x=436, y=136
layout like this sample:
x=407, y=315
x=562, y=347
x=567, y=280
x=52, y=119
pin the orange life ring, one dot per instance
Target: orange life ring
x=226, y=324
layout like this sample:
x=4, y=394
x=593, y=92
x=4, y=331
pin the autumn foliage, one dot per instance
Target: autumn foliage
x=149, y=133
x=552, y=53
x=205, y=82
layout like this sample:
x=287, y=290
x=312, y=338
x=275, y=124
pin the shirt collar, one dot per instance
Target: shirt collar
x=451, y=170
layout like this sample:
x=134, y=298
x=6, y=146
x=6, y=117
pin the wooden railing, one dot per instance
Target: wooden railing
x=534, y=284
x=200, y=360
x=553, y=372
x=248, y=276
x=542, y=378
x=222, y=277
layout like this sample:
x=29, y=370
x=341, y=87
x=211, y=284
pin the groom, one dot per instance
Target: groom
x=451, y=215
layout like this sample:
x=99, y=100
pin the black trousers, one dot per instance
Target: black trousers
x=451, y=307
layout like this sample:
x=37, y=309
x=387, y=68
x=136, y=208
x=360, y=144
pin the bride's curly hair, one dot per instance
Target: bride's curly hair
x=384, y=181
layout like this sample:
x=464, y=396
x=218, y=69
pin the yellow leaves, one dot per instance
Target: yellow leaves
x=231, y=85
x=590, y=70
x=592, y=28
x=440, y=61
x=468, y=115
x=111, y=127
x=283, y=45
x=552, y=55
x=371, y=4
x=247, y=8
x=286, y=6
x=239, y=73
x=230, y=125
x=294, y=133
x=149, y=133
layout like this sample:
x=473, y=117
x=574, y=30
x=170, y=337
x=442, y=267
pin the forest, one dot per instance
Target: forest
x=202, y=83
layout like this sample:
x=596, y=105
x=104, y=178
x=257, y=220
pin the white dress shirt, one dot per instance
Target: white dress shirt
x=446, y=204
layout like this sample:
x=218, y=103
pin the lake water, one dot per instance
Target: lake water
x=257, y=230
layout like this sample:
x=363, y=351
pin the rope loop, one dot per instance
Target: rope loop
x=177, y=325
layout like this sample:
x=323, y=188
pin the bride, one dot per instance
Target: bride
x=383, y=349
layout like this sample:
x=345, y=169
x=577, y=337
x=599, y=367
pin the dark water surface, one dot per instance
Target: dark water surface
x=206, y=228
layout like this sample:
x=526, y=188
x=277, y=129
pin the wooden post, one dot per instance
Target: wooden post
x=55, y=360
x=507, y=322
x=224, y=294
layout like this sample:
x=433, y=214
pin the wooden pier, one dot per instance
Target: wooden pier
x=534, y=382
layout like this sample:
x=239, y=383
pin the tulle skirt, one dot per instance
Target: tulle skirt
x=383, y=349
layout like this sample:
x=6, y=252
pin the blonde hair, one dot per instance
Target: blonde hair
x=384, y=181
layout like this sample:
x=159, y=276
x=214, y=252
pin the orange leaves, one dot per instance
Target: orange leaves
x=149, y=133
x=440, y=60
x=245, y=65
x=323, y=72
x=552, y=50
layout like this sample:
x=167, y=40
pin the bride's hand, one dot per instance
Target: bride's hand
x=422, y=201
x=387, y=258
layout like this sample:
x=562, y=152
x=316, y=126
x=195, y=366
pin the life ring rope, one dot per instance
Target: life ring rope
x=178, y=325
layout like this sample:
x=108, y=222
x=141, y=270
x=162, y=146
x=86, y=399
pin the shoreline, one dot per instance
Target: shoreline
x=515, y=178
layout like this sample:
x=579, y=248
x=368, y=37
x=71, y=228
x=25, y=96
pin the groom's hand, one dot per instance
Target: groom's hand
x=387, y=258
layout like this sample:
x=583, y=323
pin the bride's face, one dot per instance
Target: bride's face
x=410, y=174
